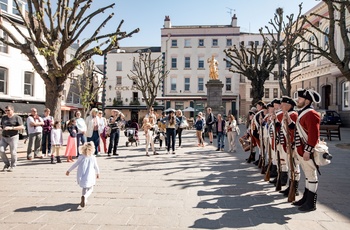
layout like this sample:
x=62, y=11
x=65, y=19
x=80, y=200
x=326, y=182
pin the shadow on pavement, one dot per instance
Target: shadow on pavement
x=70, y=207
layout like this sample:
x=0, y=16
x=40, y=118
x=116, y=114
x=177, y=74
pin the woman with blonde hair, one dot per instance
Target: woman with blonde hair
x=231, y=131
x=180, y=124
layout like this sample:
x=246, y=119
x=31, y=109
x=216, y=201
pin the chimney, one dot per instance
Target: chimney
x=167, y=22
x=234, y=21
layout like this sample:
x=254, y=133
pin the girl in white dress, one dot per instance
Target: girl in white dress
x=88, y=170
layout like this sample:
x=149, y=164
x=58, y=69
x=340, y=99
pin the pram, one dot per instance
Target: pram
x=131, y=132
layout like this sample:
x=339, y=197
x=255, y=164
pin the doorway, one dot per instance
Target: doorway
x=326, y=96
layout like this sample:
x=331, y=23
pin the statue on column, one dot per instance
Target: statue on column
x=213, y=67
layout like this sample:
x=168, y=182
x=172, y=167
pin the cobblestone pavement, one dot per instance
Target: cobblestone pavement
x=195, y=188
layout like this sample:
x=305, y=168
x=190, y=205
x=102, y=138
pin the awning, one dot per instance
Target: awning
x=68, y=108
x=23, y=108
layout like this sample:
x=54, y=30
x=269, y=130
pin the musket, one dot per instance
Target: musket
x=291, y=194
x=261, y=144
x=262, y=149
x=279, y=171
x=267, y=174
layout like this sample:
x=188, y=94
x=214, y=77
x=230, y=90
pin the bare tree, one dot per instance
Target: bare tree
x=254, y=63
x=48, y=31
x=148, y=74
x=287, y=48
x=338, y=11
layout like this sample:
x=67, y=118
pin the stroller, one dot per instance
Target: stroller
x=131, y=132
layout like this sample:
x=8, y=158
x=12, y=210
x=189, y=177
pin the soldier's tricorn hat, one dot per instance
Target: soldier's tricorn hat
x=252, y=111
x=288, y=100
x=269, y=105
x=309, y=94
x=275, y=101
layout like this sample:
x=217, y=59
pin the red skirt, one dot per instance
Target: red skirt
x=71, y=149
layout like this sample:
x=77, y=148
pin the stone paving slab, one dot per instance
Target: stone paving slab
x=195, y=188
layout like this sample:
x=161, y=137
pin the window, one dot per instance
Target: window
x=275, y=75
x=3, y=81
x=267, y=93
x=297, y=54
x=346, y=95
x=174, y=63
x=135, y=96
x=201, y=42
x=228, y=64
x=187, y=84
x=311, y=48
x=3, y=5
x=76, y=99
x=179, y=105
x=215, y=42
x=14, y=8
x=119, y=66
x=229, y=42
x=256, y=43
x=200, y=63
x=200, y=84
x=228, y=83
x=326, y=38
x=174, y=43
x=275, y=93
x=3, y=46
x=187, y=42
x=69, y=97
x=28, y=83
x=119, y=96
x=119, y=80
x=187, y=62
x=173, y=84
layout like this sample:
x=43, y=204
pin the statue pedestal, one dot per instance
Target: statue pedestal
x=214, y=94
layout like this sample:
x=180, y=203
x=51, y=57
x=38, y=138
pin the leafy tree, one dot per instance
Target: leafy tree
x=338, y=12
x=87, y=84
x=253, y=62
x=148, y=74
x=287, y=47
x=48, y=31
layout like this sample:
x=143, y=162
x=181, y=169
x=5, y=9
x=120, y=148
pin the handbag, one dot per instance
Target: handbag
x=238, y=131
x=183, y=124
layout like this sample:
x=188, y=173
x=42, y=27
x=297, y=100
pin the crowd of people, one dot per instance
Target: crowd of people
x=285, y=139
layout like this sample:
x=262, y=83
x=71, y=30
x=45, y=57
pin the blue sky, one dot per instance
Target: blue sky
x=149, y=15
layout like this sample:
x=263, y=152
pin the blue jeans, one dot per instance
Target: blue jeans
x=171, y=135
x=80, y=138
x=46, y=140
x=114, y=141
x=221, y=140
x=96, y=139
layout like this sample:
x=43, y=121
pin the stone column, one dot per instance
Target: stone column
x=214, y=96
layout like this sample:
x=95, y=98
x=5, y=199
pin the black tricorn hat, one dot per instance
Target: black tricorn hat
x=309, y=94
x=269, y=105
x=275, y=101
x=252, y=111
x=288, y=100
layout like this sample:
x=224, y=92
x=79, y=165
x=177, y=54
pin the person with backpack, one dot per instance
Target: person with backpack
x=199, y=124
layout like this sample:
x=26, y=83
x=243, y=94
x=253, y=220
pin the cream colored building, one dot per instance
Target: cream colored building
x=320, y=74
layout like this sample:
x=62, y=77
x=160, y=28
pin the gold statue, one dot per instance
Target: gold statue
x=213, y=66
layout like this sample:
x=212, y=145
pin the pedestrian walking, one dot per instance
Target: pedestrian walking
x=181, y=125
x=81, y=138
x=71, y=149
x=35, y=130
x=11, y=124
x=87, y=172
x=115, y=122
x=306, y=137
x=231, y=129
x=210, y=121
x=199, y=125
x=102, y=125
x=57, y=142
x=149, y=129
x=161, y=132
x=170, y=122
x=92, y=133
x=46, y=137
x=220, y=132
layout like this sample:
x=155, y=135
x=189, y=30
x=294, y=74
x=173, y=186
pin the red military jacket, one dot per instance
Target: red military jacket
x=310, y=123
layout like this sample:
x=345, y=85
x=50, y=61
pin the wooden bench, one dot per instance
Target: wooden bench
x=330, y=131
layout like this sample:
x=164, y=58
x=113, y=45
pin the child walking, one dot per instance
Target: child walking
x=56, y=142
x=71, y=149
x=88, y=171
x=148, y=127
x=199, y=130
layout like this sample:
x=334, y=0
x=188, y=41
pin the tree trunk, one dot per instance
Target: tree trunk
x=53, y=99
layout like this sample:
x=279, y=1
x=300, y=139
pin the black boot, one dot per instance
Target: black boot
x=273, y=171
x=286, y=191
x=58, y=158
x=251, y=157
x=284, y=178
x=296, y=185
x=257, y=161
x=302, y=200
x=310, y=203
x=53, y=160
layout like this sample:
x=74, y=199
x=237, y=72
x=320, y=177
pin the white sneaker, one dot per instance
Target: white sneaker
x=11, y=169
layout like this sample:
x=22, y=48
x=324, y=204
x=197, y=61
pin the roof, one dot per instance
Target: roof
x=137, y=49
